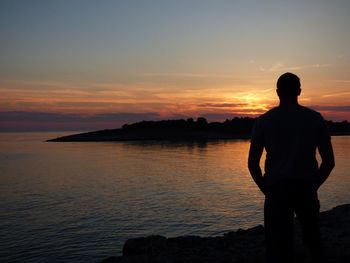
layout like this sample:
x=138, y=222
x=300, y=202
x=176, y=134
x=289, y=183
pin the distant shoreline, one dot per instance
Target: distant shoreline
x=83, y=137
x=183, y=130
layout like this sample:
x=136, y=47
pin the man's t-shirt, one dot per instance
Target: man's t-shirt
x=290, y=136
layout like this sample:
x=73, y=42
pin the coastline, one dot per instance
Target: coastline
x=183, y=130
x=108, y=136
x=241, y=246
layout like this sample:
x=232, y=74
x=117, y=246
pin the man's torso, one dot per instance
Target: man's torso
x=290, y=136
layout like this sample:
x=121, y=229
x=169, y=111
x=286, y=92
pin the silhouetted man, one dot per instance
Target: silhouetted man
x=290, y=134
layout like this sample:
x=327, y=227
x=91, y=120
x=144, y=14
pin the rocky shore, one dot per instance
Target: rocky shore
x=241, y=246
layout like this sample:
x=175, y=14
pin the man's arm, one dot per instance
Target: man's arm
x=327, y=164
x=255, y=152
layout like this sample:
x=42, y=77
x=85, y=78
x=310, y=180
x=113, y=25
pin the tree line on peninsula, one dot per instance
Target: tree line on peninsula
x=237, y=125
x=181, y=129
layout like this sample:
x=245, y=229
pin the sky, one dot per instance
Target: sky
x=84, y=65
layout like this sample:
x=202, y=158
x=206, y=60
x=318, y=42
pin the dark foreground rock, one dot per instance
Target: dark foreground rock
x=243, y=246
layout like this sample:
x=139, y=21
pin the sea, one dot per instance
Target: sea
x=80, y=201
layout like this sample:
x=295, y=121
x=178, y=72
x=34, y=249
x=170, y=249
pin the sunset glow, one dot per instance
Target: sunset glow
x=88, y=65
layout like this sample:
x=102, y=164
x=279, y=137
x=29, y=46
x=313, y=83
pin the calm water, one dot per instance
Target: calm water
x=79, y=202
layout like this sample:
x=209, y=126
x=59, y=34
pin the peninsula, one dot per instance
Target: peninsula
x=183, y=130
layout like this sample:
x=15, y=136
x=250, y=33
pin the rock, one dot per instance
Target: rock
x=112, y=260
x=241, y=246
x=152, y=245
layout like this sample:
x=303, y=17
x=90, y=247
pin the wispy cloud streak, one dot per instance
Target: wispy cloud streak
x=279, y=66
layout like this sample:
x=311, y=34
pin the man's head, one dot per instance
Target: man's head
x=288, y=86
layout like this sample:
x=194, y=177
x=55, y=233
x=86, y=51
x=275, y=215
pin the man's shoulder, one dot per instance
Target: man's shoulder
x=310, y=113
x=278, y=115
x=270, y=113
x=302, y=109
